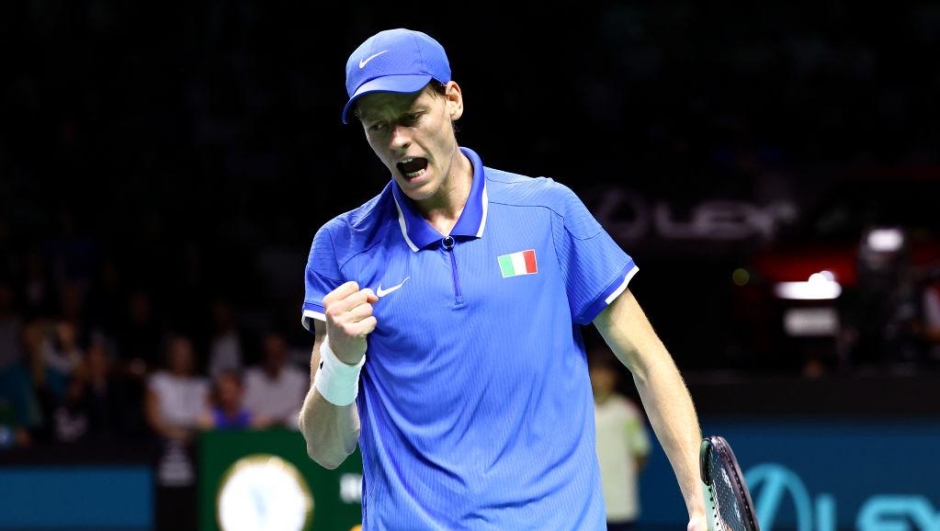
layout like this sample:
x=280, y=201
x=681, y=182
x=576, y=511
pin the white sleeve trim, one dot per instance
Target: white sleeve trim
x=623, y=286
x=319, y=316
x=307, y=319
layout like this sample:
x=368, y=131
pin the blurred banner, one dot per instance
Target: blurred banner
x=254, y=480
x=820, y=475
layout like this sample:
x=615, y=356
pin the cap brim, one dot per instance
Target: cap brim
x=400, y=84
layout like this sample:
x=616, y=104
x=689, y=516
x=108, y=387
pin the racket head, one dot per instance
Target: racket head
x=726, y=494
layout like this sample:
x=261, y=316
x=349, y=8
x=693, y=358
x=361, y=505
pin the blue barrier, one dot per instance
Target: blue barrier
x=90, y=497
x=820, y=475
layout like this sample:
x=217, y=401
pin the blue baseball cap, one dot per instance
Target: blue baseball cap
x=395, y=60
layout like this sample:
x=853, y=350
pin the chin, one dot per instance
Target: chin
x=416, y=193
x=417, y=196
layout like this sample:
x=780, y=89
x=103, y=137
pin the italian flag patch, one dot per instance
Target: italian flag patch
x=515, y=264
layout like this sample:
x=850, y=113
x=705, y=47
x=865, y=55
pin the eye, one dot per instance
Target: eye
x=410, y=119
x=376, y=127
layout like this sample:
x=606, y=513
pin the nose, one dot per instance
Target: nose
x=400, y=139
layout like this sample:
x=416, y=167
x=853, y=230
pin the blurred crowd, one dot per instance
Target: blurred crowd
x=85, y=356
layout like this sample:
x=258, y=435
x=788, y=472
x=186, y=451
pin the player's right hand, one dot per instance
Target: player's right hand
x=349, y=320
x=698, y=523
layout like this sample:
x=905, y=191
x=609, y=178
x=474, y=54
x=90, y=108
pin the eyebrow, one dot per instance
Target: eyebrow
x=398, y=113
x=407, y=106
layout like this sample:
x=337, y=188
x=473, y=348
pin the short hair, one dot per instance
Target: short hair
x=437, y=89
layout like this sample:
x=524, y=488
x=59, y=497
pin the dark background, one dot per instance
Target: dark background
x=184, y=154
x=192, y=149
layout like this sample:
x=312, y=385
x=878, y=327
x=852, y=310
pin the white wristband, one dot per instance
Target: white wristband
x=337, y=382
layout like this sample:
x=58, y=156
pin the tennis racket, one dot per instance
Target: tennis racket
x=727, y=498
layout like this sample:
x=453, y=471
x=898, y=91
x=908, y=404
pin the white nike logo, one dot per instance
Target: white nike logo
x=364, y=62
x=383, y=292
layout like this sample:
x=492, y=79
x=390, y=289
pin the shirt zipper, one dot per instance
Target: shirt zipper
x=448, y=243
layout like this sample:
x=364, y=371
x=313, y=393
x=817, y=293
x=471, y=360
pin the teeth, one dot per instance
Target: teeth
x=406, y=161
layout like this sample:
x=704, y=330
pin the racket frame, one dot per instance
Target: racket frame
x=717, y=443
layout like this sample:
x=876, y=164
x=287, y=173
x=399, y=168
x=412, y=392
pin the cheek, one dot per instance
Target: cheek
x=443, y=137
x=378, y=146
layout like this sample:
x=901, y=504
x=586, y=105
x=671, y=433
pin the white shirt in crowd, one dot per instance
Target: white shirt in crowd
x=280, y=398
x=181, y=399
x=225, y=353
x=621, y=438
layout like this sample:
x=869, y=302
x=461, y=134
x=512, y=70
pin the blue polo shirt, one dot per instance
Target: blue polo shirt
x=475, y=400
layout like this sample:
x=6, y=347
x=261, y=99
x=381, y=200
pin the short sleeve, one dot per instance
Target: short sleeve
x=595, y=267
x=321, y=276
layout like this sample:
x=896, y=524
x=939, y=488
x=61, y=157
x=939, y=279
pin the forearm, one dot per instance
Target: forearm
x=673, y=418
x=662, y=390
x=331, y=431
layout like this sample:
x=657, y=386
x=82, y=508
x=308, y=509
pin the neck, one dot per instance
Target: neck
x=443, y=210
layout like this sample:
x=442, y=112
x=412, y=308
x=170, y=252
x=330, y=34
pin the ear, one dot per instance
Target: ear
x=454, y=97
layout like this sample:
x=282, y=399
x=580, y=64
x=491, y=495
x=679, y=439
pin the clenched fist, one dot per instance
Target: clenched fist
x=349, y=320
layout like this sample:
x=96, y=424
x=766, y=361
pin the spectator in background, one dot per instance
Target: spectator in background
x=225, y=346
x=71, y=309
x=70, y=418
x=140, y=335
x=176, y=395
x=12, y=434
x=16, y=393
x=928, y=327
x=32, y=387
x=276, y=388
x=38, y=293
x=20, y=410
x=11, y=327
x=227, y=409
x=622, y=442
x=114, y=402
x=62, y=350
x=49, y=378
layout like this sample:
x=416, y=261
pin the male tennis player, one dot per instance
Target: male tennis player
x=447, y=313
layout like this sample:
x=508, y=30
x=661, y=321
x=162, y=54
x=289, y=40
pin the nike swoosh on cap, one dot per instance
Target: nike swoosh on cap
x=364, y=62
x=383, y=292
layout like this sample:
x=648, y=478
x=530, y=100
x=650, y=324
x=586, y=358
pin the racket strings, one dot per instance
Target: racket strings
x=726, y=495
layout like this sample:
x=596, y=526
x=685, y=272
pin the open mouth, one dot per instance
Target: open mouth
x=412, y=167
